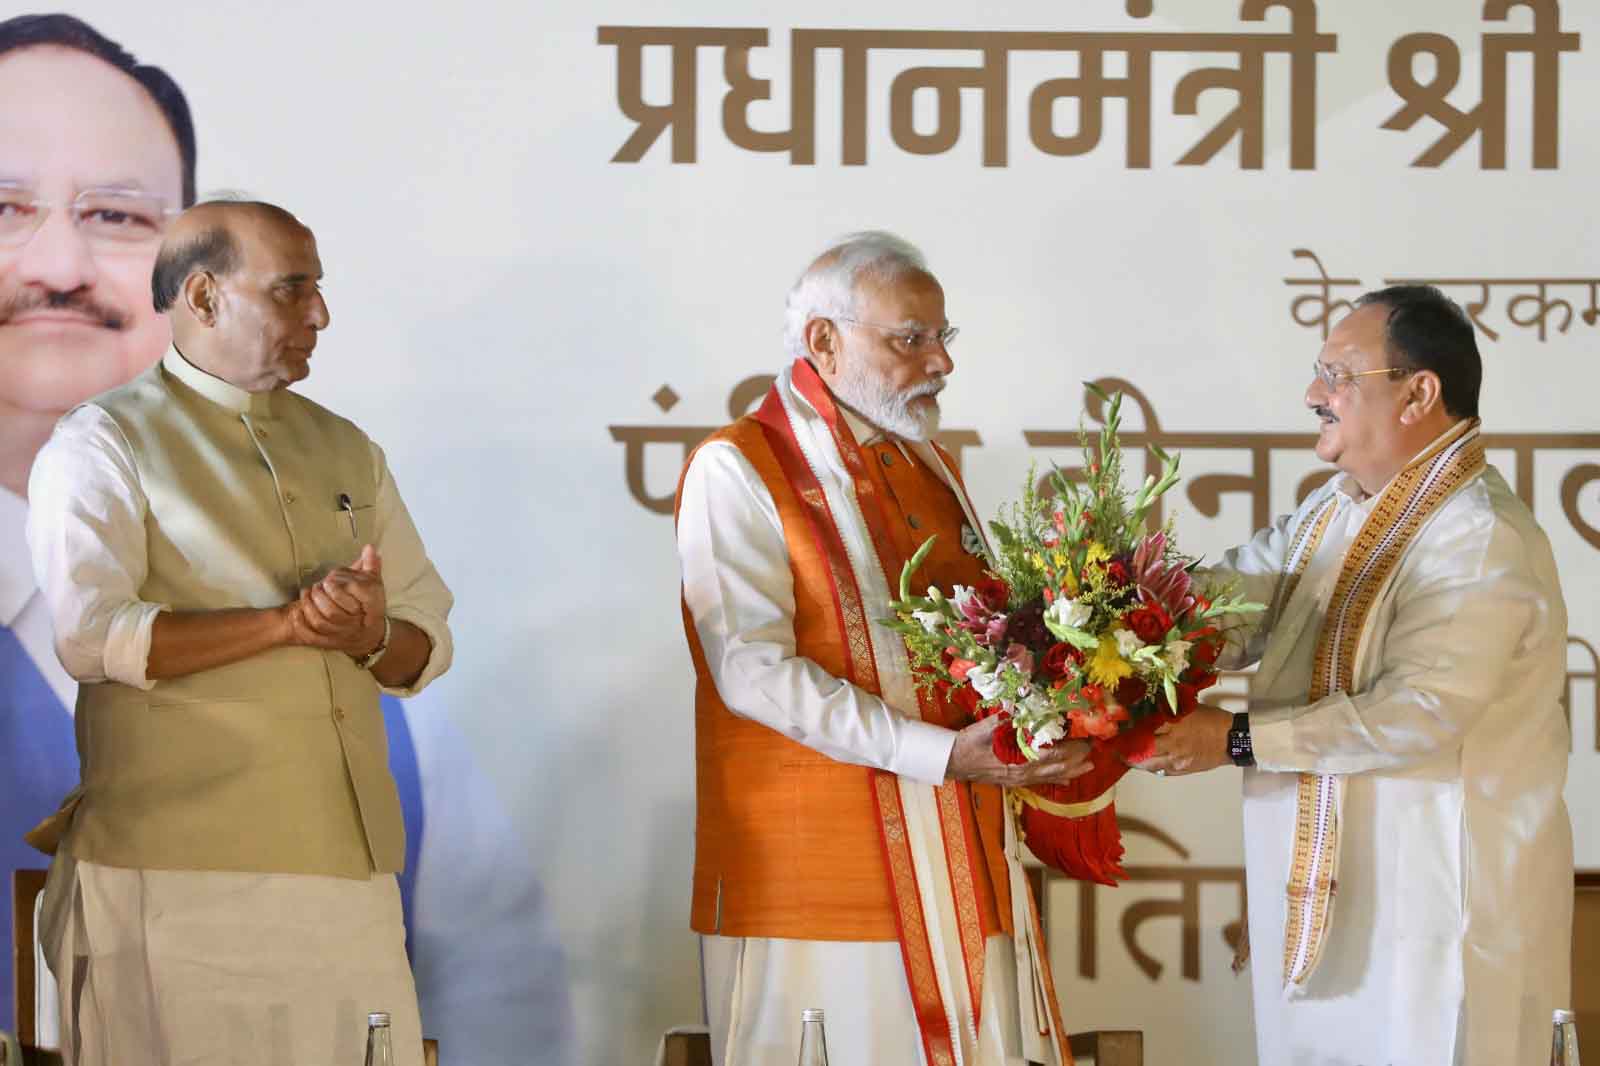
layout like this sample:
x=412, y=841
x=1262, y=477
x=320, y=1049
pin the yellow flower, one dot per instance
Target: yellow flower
x=1107, y=667
x=1069, y=582
x=1037, y=560
x=1097, y=553
x=1058, y=557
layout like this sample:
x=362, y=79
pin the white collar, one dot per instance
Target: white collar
x=16, y=573
x=222, y=393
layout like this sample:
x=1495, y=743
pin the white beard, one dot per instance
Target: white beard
x=872, y=398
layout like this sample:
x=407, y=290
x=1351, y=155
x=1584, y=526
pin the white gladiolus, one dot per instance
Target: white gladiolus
x=985, y=683
x=1128, y=642
x=931, y=620
x=1069, y=612
x=1178, y=655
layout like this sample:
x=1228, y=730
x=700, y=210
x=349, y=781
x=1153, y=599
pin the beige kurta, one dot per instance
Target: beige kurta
x=1450, y=940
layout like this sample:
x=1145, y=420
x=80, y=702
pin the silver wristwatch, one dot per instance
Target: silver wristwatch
x=383, y=645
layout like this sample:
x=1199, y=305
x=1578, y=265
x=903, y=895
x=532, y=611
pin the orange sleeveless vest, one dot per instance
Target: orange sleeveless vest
x=788, y=841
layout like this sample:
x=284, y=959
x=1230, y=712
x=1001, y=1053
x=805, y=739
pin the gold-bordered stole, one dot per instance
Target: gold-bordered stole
x=1408, y=501
x=933, y=1020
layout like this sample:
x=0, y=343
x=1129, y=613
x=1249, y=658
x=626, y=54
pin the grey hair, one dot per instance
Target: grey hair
x=828, y=287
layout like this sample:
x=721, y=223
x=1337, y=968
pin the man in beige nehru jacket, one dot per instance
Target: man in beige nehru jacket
x=232, y=579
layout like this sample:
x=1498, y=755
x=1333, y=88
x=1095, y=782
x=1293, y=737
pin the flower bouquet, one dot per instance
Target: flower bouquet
x=1087, y=626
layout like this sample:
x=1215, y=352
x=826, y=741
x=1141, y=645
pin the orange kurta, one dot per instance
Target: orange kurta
x=788, y=841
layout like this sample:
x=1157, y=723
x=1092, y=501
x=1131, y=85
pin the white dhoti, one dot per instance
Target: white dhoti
x=177, y=967
x=756, y=987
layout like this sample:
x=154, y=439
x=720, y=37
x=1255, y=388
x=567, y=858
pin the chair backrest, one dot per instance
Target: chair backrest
x=26, y=888
x=1586, y=963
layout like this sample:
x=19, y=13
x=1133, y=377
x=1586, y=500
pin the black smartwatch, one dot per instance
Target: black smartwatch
x=1239, y=749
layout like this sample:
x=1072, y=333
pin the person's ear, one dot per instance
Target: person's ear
x=823, y=345
x=201, y=294
x=1424, y=396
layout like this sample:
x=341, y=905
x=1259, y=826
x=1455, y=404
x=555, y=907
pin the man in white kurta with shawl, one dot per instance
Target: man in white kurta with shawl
x=851, y=850
x=1406, y=743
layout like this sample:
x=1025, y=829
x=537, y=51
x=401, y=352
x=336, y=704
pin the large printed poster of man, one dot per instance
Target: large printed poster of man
x=97, y=153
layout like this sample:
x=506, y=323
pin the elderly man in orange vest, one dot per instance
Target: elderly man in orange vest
x=853, y=848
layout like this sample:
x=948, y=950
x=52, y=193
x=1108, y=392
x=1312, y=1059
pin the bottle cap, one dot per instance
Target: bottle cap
x=378, y=1017
x=1565, y=1017
x=811, y=1014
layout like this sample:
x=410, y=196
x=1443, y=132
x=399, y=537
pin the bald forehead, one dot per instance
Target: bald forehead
x=242, y=219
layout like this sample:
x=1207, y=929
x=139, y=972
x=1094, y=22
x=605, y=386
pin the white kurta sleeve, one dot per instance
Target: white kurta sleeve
x=1464, y=607
x=1253, y=569
x=739, y=591
x=86, y=536
x=414, y=590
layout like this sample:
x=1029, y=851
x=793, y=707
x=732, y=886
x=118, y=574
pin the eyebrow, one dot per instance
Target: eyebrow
x=295, y=279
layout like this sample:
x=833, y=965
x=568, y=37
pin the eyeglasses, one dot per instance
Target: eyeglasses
x=911, y=340
x=108, y=219
x=1334, y=378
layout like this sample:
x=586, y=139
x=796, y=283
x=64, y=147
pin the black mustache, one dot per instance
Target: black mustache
x=77, y=300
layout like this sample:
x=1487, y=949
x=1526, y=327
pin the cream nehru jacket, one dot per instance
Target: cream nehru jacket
x=275, y=764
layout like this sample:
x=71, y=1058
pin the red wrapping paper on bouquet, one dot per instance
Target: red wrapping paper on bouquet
x=1088, y=846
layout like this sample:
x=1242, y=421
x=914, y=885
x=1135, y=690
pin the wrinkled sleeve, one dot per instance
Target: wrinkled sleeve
x=1461, y=613
x=86, y=536
x=1253, y=570
x=415, y=591
x=739, y=591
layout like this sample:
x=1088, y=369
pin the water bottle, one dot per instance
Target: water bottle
x=380, y=1051
x=1564, y=1045
x=813, y=1041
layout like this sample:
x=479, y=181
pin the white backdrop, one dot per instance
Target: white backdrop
x=503, y=294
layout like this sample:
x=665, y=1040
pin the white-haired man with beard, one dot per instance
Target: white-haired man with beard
x=852, y=849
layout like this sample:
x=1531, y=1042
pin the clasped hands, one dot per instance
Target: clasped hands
x=344, y=611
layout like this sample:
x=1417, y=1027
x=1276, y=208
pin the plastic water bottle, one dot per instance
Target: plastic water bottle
x=813, y=1041
x=380, y=1050
x=1564, y=1045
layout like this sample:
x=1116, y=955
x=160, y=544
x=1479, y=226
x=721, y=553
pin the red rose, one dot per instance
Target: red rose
x=1148, y=622
x=992, y=592
x=1130, y=690
x=1204, y=653
x=1004, y=742
x=1116, y=572
x=1060, y=659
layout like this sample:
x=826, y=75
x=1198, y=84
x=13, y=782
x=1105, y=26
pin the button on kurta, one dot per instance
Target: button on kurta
x=338, y=714
x=288, y=497
x=914, y=521
x=888, y=458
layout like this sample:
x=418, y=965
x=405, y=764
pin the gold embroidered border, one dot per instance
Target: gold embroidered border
x=1405, y=505
x=914, y=944
x=958, y=856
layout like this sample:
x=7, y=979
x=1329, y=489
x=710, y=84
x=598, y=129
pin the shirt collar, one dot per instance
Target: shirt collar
x=213, y=388
x=16, y=575
x=867, y=434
